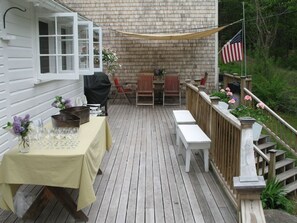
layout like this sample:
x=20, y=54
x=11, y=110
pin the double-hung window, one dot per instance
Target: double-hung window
x=67, y=47
x=85, y=45
x=97, y=46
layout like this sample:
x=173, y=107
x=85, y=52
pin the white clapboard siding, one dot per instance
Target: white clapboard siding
x=19, y=94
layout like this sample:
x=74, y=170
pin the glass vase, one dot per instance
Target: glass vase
x=24, y=144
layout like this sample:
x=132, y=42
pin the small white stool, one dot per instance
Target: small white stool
x=193, y=137
x=182, y=117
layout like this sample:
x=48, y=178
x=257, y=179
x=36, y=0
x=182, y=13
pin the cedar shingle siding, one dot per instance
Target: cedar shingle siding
x=189, y=58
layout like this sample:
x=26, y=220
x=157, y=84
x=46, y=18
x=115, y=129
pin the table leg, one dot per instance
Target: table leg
x=206, y=159
x=99, y=172
x=176, y=129
x=66, y=200
x=188, y=159
x=38, y=205
x=178, y=145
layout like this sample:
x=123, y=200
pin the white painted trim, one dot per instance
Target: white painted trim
x=74, y=75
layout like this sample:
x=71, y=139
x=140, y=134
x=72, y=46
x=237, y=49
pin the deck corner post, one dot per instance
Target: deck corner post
x=248, y=185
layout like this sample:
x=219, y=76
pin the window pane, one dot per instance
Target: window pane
x=84, y=62
x=47, y=64
x=65, y=45
x=47, y=45
x=97, y=49
x=66, y=64
x=83, y=32
x=83, y=48
x=65, y=25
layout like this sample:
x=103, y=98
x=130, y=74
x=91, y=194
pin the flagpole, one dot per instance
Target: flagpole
x=244, y=39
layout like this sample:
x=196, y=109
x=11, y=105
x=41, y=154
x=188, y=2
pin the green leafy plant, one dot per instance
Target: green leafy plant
x=110, y=61
x=249, y=111
x=61, y=103
x=273, y=197
x=225, y=95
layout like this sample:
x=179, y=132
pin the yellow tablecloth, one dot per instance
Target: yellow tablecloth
x=70, y=168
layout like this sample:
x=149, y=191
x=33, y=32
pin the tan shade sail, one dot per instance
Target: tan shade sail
x=174, y=36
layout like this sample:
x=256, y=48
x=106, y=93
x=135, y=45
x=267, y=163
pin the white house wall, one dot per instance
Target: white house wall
x=19, y=94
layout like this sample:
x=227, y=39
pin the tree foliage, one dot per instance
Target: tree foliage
x=271, y=27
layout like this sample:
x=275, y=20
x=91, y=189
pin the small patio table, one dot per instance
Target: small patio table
x=57, y=169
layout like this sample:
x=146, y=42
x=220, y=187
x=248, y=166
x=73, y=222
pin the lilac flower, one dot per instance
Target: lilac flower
x=20, y=126
x=61, y=103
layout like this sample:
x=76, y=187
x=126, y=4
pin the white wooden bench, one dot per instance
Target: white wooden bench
x=193, y=137
x=182, y=117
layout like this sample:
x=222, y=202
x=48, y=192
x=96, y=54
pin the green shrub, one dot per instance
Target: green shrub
x=273, y=197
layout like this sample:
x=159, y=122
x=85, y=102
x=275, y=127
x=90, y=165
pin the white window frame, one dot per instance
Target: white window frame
x=90, y=53
x=100, y=68
x=60, y=76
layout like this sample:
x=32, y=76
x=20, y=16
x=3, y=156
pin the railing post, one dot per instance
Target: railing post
x=271, y=166
x=248, y=184
x=225, y=79
x=242, y=86
x=214, y=101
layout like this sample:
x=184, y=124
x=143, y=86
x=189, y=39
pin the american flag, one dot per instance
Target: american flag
x=232, y=51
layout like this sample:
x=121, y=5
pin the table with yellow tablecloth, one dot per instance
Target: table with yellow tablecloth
x=68, y=168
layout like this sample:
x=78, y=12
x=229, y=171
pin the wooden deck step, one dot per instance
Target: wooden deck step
x=264, y=147
x=280, y=155
x=280, y=164
x=287, y=174
x=290, y=187
x=263, y=139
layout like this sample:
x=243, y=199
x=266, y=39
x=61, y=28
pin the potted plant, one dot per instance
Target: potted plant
x=20, y=127
x=249, y=111
x=159, y=73
x=226, y=97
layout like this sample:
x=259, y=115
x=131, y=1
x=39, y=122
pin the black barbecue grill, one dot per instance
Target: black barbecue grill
x=97, y=88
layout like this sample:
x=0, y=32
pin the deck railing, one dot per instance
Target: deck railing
x=231, y=153
x=283, y=132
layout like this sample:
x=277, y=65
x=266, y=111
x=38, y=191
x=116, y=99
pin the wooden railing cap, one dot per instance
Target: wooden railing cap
x=246, y=122
x=258, y=184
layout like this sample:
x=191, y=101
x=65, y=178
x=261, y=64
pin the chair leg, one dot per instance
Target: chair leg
x=136, y=99
x=153, y=100
x=127, y=98
x=116, y=95
x=163, y=98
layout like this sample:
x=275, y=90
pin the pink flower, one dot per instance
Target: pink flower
x=227, y=89
x=261, y=105
x=229, y=93
x=231, y=101
x=222, y=90
x=248, y=98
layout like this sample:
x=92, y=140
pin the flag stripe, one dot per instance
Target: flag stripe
x=232, y=50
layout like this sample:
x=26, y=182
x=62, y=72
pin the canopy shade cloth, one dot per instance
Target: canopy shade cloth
x=174, y=36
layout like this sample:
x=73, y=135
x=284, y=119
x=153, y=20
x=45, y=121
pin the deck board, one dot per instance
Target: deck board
x=143, y=178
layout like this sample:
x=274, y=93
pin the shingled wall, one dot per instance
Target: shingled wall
x=190, y=58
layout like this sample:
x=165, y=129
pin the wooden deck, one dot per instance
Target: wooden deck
x=144, y=180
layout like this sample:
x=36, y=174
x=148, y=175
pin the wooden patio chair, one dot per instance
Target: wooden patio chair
x=171, y=88
x=145, y=89
x=121, y=90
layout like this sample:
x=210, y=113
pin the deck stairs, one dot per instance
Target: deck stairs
x=286, y=171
